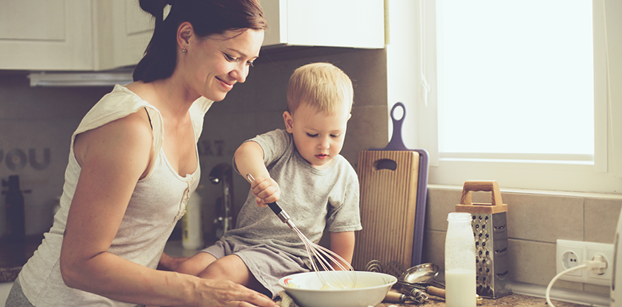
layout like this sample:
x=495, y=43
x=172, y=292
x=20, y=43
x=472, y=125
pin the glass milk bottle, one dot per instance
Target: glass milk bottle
x=460, y=261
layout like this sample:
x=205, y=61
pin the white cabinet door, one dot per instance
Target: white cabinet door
x=329, y=23
x=107, y=34
x=72, y=34
x=123, y=31
x=45, y=35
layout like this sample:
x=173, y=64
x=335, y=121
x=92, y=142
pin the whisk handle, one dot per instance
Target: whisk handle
x=275, y=208
x=283, y=216
x=280, y=213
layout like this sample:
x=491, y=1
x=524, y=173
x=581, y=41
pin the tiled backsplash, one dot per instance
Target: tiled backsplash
x=42, y=119
x=35, y=128
x=535, y=221
x=257, y=106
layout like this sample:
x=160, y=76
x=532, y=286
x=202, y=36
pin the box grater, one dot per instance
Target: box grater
x=491, y=238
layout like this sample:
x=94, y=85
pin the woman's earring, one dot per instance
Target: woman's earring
x=184, y=51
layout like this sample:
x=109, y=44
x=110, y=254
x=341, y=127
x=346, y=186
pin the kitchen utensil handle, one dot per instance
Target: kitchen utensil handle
x=395, y=297
x=283, y=216
x=486, y=186
x=279, y=212
x=397, y=142
x=275, y=207
x=435, y=291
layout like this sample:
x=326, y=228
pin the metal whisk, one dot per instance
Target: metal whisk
x=319, y=256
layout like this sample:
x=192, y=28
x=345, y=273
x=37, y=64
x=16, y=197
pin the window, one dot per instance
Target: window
x=537, y=131
x=517, y=78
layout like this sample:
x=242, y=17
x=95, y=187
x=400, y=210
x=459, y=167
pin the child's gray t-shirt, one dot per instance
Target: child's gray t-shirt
x=314, y=198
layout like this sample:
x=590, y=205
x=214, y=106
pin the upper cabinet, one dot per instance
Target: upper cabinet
x=123, y=31
x=77, y=35
x=328, y=23
x=93, y=35
x=46, y=35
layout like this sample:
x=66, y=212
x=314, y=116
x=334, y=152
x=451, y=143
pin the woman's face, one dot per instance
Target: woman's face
x=215, y=63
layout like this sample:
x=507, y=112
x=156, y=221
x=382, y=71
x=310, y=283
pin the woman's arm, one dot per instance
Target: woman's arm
x=113, y=158
x=342, y=243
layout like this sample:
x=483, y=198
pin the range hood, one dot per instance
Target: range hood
x=60, y=79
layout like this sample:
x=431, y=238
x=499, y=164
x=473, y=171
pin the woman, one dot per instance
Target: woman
x=134, y=163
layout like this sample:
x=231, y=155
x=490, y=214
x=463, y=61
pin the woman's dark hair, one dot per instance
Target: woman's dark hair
x=206, y=16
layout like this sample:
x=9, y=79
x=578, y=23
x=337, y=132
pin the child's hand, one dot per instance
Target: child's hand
x=266, y=190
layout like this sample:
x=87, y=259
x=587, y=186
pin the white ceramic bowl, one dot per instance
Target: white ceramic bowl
x=306, y=290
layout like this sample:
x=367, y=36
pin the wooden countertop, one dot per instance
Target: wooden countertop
x=514, y=300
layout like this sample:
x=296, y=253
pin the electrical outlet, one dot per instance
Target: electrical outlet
x=569, y=255
x=572, y=253
x=606, y=250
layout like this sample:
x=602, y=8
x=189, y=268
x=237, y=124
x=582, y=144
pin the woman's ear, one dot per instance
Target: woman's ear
x=185, y=31
x=289, y=122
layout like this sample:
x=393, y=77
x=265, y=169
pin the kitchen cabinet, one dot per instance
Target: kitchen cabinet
x=46, y=35
x=327, y=23
x=123, y=31
x=94, y=35
x=73, y=35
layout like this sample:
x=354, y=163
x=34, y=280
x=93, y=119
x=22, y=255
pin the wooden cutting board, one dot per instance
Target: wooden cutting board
x=393, y=181
x=388, y=205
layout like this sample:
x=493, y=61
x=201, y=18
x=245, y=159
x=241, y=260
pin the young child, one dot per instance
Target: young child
x=301, y=168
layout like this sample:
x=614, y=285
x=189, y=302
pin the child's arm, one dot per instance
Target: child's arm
x=342, y=243
x=249, y=160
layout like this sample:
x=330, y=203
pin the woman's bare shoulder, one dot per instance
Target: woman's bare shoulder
x=130, y=136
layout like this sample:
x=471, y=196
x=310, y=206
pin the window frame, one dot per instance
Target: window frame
x=420, y=129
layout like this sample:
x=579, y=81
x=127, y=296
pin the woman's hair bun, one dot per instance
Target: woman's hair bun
x=154, y=7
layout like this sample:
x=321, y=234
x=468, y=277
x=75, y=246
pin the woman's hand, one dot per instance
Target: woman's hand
x=223, y=293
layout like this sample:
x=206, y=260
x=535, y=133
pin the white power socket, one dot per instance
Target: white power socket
x=572, y=253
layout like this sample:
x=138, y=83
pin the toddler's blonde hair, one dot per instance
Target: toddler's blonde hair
x=320, y=85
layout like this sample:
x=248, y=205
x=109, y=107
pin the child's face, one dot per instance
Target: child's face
x=318, y=136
